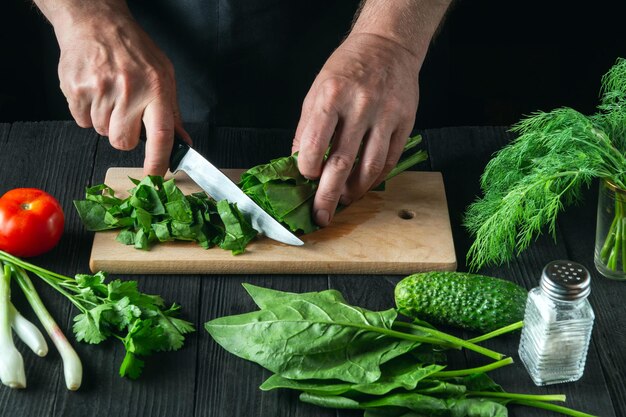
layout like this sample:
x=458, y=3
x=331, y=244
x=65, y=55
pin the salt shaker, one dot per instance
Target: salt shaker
x=557, y=324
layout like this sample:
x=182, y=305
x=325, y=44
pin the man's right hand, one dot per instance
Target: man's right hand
x=115, y=78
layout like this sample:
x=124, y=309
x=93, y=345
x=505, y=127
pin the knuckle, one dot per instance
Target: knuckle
x=315, y=141
x=332, y=89
x=371, y=169
x=157, y=78
x=310, y=172
x=327, y=196
x=102, y=130
x=393, y=105
x=153, y=168
x=339, y=162
x=126, y=82
x=308, y=167
x=162, y=131
x=122, y=142
x=74, y=91
x=100, y=85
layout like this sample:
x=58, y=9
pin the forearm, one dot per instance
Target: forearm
x=65, y=13
x=409, y=23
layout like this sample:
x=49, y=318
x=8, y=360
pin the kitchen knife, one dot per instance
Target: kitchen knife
x=216, y=184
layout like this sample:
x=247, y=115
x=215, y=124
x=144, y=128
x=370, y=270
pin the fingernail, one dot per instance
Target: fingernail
x=322, y=218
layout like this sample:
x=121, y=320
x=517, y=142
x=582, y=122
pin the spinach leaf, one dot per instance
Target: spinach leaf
x=267, y=297
x=397, y=373
x=428, y=405
x=146, y=196
x=345, y=357
x=311, y=386
x=238, y=231
x=92, y=214
x=309, y=337
x=476, y=407
x=391, y=412
x=440, y=388
x=477, y=382
x=280, y=189
x=396, y=404
x=330, y=401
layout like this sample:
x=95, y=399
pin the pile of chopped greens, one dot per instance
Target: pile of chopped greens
x=544, y=169
x=158, y=211
x=342, y=356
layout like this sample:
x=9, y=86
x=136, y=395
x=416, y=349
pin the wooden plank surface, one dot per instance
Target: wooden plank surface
x=403, y=229
x=55, y=157
x=204, y=380
x=4, y=133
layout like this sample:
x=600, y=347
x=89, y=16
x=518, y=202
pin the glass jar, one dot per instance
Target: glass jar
x=557, y=324
x=610, y=247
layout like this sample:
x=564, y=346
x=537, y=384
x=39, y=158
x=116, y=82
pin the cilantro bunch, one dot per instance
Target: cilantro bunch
x=157, y=211
x=116, y=309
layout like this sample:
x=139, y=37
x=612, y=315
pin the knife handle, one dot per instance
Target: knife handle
x=179, y=149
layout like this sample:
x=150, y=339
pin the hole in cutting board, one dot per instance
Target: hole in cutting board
x=406, y=214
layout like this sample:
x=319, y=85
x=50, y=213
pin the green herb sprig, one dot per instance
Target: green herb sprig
x=545, y=169
x=114, y=309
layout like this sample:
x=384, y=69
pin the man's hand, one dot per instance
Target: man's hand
x=115, y=78
x=363, y=102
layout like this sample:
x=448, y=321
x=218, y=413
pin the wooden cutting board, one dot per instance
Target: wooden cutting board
x=401, y=230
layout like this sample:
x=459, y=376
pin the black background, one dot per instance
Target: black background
x=491, y=63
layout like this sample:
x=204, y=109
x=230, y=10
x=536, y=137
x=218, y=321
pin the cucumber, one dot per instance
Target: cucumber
x=469, y=301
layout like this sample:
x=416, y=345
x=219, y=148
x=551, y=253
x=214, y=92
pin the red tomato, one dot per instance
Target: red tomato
x=31, y=222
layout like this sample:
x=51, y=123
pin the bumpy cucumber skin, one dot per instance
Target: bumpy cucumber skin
x=469, y=301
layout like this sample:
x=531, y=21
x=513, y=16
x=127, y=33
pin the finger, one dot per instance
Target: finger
x=158, y=118
x=101, y=110
x=124, y=127
x=178, y=122
x=81, y=112
x=315, y=139
x=305, y=114
x=336, y=171
x=78, y=98
x=371, y=164
x=396, y=147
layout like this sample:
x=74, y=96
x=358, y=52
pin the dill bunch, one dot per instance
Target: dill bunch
x=555, y=155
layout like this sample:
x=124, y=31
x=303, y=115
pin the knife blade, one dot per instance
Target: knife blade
x=216, y=184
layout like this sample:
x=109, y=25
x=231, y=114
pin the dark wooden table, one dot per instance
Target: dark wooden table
x=204, y=380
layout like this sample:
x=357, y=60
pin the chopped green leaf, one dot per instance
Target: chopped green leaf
x=238, y=231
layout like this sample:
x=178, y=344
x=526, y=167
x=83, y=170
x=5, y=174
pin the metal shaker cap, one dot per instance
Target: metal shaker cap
x=565, y=281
